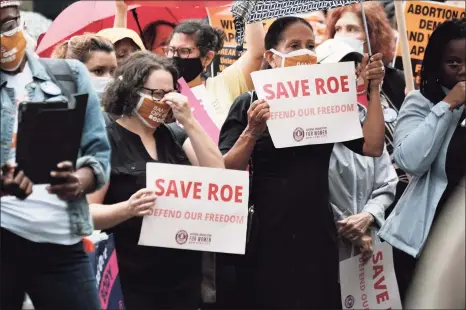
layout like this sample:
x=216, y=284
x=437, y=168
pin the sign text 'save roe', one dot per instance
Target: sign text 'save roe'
x=370, y=285
x=202, y=209
x=310, y=104
x=190, y=189
x=300, y=88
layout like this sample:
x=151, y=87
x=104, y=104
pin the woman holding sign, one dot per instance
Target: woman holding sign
x=145, y=94
x=346, y=24
x=430, y=140
x=193, y=45
x=292, y=259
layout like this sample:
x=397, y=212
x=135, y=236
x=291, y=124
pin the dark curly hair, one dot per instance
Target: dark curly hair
x=431, y=70
x=205, y=36
x=122, y=94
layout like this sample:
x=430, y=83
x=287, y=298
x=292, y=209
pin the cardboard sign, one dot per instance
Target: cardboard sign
x=372, y=285
x=200, y=113
x=310, y=104
x=422, y=17
x=202, y=209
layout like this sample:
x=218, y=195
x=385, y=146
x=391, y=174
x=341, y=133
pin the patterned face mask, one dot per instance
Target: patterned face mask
x=152, y=113
x=12, y=49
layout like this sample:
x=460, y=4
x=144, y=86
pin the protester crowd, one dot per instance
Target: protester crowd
x=314, y=205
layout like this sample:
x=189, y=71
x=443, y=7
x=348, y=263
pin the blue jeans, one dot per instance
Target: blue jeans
x=54, y=276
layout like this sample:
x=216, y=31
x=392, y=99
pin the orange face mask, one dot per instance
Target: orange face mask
x=297, y=58
x=152, y=113
x=12, y=49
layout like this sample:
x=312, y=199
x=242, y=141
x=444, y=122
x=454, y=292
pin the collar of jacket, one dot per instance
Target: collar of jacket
x=37, y=69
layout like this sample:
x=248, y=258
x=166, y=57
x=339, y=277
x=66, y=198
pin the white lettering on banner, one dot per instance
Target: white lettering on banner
x=372, y=285
x=310, y=104
x=202, y=209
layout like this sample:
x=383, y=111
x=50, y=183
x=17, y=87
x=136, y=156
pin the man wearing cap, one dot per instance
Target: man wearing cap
x=42, y=225
x=361, y=188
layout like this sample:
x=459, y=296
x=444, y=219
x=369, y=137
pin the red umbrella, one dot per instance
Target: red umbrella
x=93, y=16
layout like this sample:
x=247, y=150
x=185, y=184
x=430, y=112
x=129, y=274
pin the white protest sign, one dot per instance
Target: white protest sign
x=310, y=104
x=372, y=285
x=203, y=209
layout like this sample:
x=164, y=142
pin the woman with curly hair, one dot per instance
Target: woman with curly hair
x=145, y=93
x=345, y=23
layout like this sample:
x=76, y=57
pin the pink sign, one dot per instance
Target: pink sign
x=199, y=112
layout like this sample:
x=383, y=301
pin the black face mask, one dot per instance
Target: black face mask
x=189, y=68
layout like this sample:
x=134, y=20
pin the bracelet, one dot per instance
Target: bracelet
x=81, y=189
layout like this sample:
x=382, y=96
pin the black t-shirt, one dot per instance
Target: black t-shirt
x=289, y=185
x=144, y=267
x=455, y=162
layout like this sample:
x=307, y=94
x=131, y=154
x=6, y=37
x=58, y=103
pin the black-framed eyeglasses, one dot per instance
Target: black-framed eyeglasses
x=158, y=94
x=182, y=52
x=9, y=25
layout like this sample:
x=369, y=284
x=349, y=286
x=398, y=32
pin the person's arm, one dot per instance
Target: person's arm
x=374, y=126
x=385, y=179
x=200, y=148
x=92, y=167
x=238, y=157
x=108, y=216
x=252, y=59
x=17, y=185
x=120, y=14
x=384, y=188
x=421, y=129
x=95, y=148
x=243, y=126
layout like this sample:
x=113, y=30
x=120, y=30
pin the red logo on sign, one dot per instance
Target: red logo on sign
x=298, y=134
x=181, y=237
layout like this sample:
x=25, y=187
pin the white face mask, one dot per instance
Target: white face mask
x=355, y=44
x=297, y=58
x=99, y=83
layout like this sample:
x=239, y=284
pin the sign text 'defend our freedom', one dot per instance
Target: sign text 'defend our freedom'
x=310, y=104
x=203, y=209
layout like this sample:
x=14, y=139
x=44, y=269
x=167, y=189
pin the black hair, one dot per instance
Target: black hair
x=205, y=36
x=431, y=69
x=275, y=32
x=150, y=32
x=122, y=94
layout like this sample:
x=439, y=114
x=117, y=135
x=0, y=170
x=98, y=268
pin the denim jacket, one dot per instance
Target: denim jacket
x=422, y=136
x=95, y=149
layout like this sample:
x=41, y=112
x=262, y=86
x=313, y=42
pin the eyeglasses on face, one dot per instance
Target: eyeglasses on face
x=183, y=52
x=157, y=94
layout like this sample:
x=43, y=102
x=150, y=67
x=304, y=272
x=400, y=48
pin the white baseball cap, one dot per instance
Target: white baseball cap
x=333, y=51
